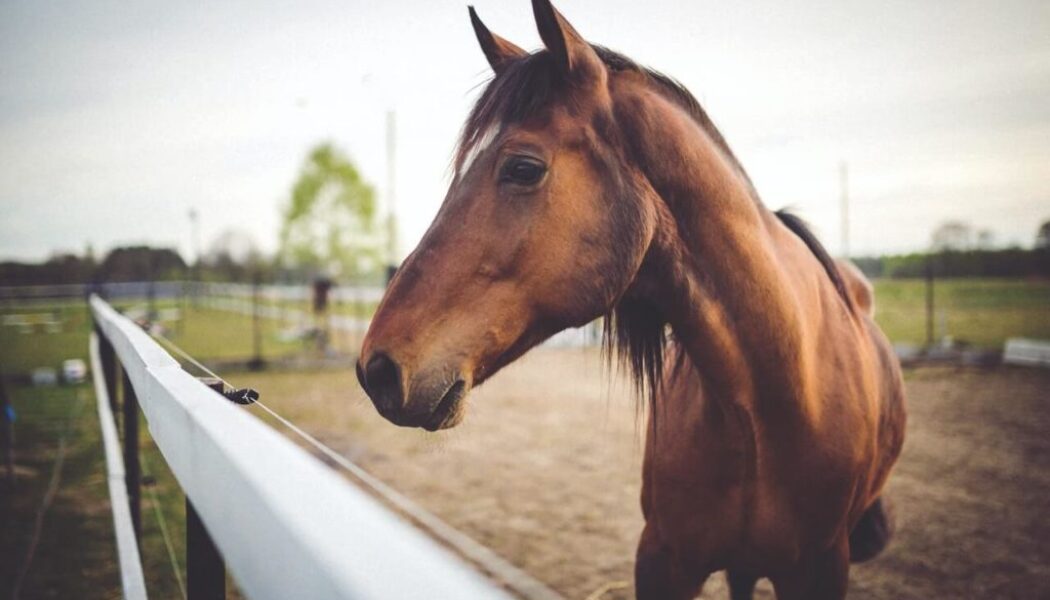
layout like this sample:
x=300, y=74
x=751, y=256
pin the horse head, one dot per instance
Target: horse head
x=544, y=227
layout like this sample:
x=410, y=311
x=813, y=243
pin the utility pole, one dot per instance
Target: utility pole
x=196, y=268
x=844, y=192
x=391, y=196
x=929, y=300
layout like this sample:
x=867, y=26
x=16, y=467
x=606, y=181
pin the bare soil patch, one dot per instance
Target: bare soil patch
x=546, y=471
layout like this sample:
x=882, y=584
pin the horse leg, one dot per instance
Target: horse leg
x=821, y=577
x=741, y=585
x=658, y=575
x=872, y=533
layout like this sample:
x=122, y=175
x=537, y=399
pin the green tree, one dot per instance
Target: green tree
x=1042, y=237
x=329, y=224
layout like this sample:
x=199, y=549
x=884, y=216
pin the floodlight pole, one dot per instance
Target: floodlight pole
x=391, y=196
x=196, y=274
x=844, y=192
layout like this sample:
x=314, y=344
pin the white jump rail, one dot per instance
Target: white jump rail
x=131, y=579
x=286, y=525
x=1028, y=352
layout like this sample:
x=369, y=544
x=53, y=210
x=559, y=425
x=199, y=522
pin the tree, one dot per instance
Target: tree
x=985, y=239
x=329, y=224
x=952, y=235
x=141, y=263
x=1042, y=237
x=233, y=255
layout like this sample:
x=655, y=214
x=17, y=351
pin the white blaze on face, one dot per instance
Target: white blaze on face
x=477, y=149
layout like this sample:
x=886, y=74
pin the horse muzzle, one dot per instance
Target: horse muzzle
x=431, y=399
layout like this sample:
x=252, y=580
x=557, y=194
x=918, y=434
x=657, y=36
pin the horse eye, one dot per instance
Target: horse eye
x=522, y=170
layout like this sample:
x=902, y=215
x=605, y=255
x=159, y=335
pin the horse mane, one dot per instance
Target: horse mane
x=633, y=330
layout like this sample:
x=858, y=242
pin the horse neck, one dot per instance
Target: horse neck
x=715, y=267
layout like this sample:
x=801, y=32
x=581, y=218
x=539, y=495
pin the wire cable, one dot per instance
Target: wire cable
x=496, y=566
x=151, y=489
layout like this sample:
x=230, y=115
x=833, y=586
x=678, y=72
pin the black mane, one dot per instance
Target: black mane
x=526, y=86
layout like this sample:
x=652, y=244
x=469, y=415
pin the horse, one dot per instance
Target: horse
x=586, y=186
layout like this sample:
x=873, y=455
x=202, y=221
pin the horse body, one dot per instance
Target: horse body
x=586, y=185
x=779, y=418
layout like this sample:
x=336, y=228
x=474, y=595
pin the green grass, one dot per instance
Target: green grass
x=982, y=312
x=76, y=554
x=210, y=334
x=351, y=309
x=206, y=333
x=22, y=351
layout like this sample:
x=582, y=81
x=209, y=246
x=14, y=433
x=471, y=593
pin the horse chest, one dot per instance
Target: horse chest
x=732, y=495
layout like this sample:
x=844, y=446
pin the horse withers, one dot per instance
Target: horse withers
x=587, y=186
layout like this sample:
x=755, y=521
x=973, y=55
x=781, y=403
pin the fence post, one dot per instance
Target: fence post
x=256, y=363
x=132, y=470
x=205, y=569
x=929, y=302
x=109, y=370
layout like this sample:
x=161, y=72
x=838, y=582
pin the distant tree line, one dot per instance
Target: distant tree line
x=134, y=263
x=232, y=257
x=958, y=251
x=1008, y=262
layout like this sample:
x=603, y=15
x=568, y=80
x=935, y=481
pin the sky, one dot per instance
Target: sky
x=118, y=118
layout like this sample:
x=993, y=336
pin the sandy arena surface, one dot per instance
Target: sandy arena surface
x=546, y=471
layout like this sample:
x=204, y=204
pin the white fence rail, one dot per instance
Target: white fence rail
x=1028, y=352
x=286, y=525
x=131, y=578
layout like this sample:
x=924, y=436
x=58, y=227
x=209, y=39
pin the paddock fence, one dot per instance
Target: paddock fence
x=285, y=524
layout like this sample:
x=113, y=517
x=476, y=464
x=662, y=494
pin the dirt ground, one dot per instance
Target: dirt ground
x=545, y=470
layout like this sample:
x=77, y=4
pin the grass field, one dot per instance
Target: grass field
x=76, y=554
x=982, y=312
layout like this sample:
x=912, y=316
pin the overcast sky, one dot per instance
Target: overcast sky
x=117, y=117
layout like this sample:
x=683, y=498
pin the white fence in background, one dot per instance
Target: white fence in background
x=238, y=298
x=178, y=289
x=286, y=525
x=287, y=303
x=1028, y=352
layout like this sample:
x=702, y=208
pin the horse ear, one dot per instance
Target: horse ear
x=571, y=52
x=498, y=51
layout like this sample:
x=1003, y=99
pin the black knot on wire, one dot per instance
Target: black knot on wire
x=242, y=396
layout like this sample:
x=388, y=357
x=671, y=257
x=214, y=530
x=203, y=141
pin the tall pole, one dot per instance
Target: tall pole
x=844, y=192
x=391, y=195
x=151, y=289
x=929, y=300
x=196, y=233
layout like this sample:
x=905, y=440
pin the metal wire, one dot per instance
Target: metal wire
x=514, y=578
x=163, y=525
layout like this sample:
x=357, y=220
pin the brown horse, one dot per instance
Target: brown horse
x=587, y=186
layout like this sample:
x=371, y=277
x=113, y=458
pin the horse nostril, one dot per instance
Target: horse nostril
x=382, y=381
x=361, y=376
